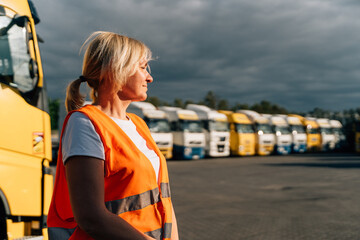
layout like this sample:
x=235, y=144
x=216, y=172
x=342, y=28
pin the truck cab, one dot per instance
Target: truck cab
x=265, y=137
x=327, y=134
x=26, y=179
x=298, y=133
x=283, y=137
x=158, y=124
x=340, y=139
x=312, y=129
x=242, y=134
x=188, y=136
x=216, y=129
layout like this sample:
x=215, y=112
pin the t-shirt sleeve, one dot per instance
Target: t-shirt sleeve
x=81, y=139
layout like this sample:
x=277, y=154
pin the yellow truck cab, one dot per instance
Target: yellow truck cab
x=264, y=135
x=242, y=134
x=312, y=131
x=25, y=142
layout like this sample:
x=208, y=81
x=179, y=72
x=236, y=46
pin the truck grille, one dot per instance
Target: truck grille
x=195, y=142
x=162, y=143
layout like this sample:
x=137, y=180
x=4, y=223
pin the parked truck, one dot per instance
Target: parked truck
x=158, y=124
x=265, y=137
x=242, y=134
x=327, y=134
x=298, y=133
x=216, y=128
x=340, y=139
x=312, y=129
x=188, y=136
x=283, y=136
x=25, y=142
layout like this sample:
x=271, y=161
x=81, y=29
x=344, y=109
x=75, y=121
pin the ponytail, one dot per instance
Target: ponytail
x=74, y=99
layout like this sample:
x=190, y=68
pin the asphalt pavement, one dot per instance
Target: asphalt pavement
x=303, y=196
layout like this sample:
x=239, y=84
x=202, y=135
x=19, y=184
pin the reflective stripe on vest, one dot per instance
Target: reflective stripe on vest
x=165, y=190
x=139, y=201
x=161, y=233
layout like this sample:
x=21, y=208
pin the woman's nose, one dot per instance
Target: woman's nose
x=149, y=78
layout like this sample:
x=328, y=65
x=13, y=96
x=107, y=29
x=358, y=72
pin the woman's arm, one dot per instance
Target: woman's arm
x=174, y=230
x=85, y=178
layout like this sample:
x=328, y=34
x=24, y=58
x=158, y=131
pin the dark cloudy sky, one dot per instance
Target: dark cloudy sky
x=297, y=54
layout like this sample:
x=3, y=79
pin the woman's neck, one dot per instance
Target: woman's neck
x=113, y=106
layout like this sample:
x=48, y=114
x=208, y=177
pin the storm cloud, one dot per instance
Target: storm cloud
x=298, y=54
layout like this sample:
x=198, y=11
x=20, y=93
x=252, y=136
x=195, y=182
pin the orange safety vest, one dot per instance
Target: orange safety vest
x=131, y=189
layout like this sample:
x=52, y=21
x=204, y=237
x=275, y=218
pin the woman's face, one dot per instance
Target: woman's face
x=136, y=85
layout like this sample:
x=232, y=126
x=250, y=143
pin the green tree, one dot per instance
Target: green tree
x=223, y=104
x=269, y=108
x=210, y=100
x=238, y=106
x=154, y=101
x=178, y=103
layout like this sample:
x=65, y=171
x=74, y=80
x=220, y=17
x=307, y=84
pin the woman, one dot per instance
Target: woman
x=111, y=179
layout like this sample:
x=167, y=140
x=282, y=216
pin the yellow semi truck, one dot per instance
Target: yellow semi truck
x=242, y=134
x=313, y=134
x=25, y=142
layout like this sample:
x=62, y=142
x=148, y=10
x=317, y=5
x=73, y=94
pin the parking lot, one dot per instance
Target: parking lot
x=308, y=196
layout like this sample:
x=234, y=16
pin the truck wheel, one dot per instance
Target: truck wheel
x=3, y=231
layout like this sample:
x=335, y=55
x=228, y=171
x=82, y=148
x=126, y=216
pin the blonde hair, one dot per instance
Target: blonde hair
x=108, y=56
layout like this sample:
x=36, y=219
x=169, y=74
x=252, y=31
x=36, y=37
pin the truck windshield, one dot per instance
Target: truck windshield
x=190, y=126
x=337, y=131
x=265, y=128
x=297, y=128
x=326, y=131
x=244, y=128
x=14, y=57
x=218, y=126
x=313, y=131
x=282, y=129
x=158, y=125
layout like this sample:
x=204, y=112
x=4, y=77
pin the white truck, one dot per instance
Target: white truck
x=265, y=137
x=299, y=137
x=340, y=138
x=216, y=128
x=188, y=137
x=327, y=134
x=158, y=124
x=283, y=137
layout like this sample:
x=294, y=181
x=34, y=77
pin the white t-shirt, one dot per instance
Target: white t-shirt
x=81, y=139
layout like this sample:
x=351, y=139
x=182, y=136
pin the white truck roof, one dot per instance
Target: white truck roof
x=206, y=113
x=336, y=124
x=277, y=120
x=175, y=113
x=293, y=120
x=323, y=122
x=143, y=105
x=145, y=109
x=254, y=116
